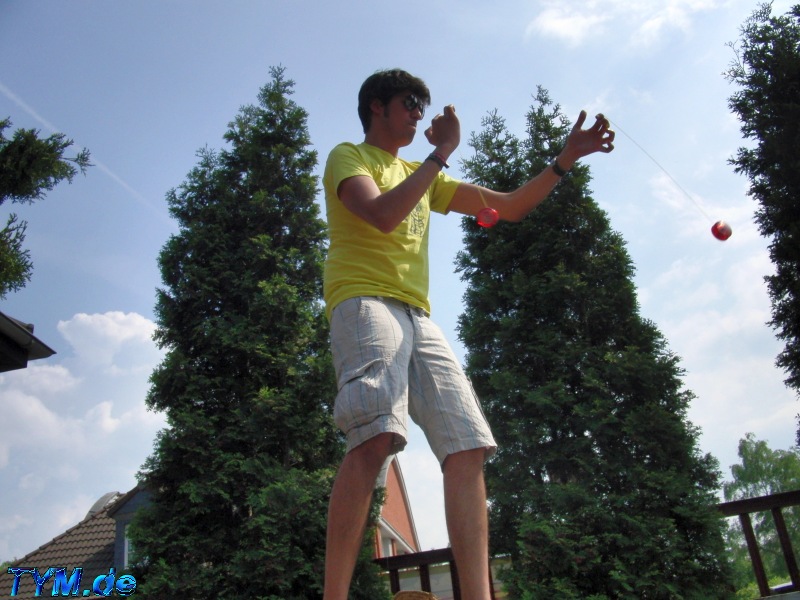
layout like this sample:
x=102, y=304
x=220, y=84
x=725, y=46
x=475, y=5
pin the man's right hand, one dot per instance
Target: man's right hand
x=445, y=132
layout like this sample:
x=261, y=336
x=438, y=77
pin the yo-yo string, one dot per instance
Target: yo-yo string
x=648, y=155
x=480, y=193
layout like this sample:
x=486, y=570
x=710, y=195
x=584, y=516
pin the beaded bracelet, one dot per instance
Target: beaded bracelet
x=438, y=159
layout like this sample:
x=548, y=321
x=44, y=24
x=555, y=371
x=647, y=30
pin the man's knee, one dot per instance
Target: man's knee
x=373, y=453
x=465, y=459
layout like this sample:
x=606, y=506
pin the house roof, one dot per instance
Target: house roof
x=396, y=512
x=18, y=345
x=89, y=544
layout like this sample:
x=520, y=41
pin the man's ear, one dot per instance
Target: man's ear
x=377, y=107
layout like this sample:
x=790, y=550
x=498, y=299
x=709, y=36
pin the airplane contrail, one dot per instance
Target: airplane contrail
x=53, y=129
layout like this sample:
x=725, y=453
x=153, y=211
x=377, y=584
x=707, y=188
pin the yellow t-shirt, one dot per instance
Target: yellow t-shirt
x=363, y=261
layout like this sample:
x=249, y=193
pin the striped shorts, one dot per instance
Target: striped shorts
x=392, y=361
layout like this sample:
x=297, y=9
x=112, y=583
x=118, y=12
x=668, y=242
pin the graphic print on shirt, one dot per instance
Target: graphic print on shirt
x=416, y=221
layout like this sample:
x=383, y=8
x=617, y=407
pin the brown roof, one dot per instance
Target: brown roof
x=89, y=544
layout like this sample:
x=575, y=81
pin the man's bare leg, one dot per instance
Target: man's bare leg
x=467, y=521
x=348, y=512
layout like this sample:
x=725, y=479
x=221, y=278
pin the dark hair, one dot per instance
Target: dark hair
x=383, y=86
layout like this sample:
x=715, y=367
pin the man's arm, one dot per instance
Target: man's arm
x=361, y=196
x=385, y=211
x=469, y=199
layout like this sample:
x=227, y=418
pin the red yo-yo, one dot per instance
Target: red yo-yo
x=488, y=217
x=721, y=230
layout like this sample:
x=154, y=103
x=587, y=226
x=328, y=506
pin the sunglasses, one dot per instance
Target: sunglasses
x=412, y=103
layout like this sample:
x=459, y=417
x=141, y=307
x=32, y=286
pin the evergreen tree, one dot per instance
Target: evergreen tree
x=29, y=167
x=241, y=478
x=767, y=70
x=598, y=489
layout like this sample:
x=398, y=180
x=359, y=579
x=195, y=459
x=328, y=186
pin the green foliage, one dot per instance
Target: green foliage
x=762, y=472
x=15, y=261
x=767, y=71
x=241, y=479
x=273, y=549
x=598, y=489
x=29, y=167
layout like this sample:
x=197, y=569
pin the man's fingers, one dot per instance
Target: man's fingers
x=581, y=120
x=429, y=134
x=601, y=123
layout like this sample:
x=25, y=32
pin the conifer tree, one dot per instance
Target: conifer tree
x=767, y=71
x=30, y=166
x=239, y=481
x=598, y=489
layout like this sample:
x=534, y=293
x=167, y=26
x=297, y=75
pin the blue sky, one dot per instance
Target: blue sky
x=146, y=84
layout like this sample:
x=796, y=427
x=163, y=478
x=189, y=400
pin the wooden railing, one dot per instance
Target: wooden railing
x=773, y=503
x=423, y=561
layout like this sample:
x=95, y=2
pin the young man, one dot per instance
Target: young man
x=390, y=360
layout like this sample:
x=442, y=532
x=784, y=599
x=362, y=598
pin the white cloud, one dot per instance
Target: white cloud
x=737, y=396
x=98, y=338
x=11, y=524
x=641, y=96
x=651, y=30
x=27, y=424
x=99, y=418
x=712, y=305
x=79, y=425
x=641, y=23
x=599, y=104
x=567, y=26
x=73, y=510
x=32, y=483
x=48, y=407
x=40, y=379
